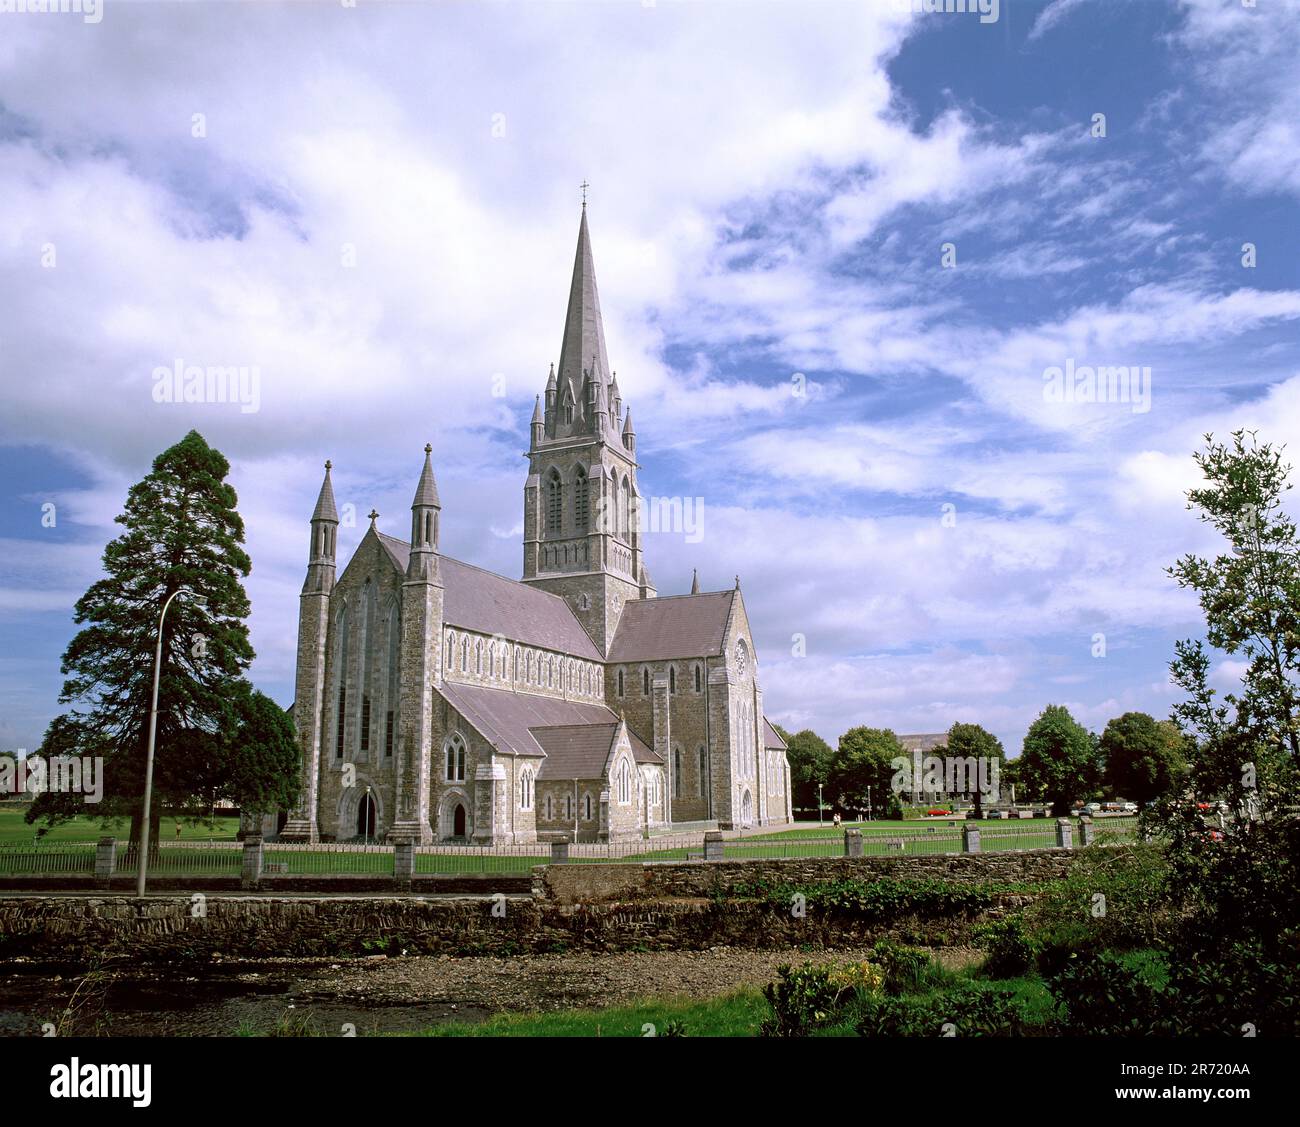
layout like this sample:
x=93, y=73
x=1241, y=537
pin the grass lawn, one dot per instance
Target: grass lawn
x=907, y=828
x=14, y=831
x=737, y=1014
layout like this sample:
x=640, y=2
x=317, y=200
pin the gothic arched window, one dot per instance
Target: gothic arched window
x=672, y=679
x=704, y=769
x=340, y=680
x=580, y=508
x=554, y=501
x=367, y=627
x=699, y=678
x=390, y=702
x=620, y=682
x=677, y=772
x=526, y=789
x=645, y=682
x=454, y=755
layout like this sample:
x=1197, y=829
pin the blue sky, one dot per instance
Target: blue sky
x=376, y=207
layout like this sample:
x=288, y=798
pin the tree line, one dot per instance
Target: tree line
x=1136, y=757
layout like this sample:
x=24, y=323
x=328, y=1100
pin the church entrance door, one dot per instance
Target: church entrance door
x=366, y=817
x=458, y=821
x=746, y=809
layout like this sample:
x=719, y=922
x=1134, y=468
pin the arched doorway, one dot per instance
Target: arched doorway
x=366, y=817
x=458, y=820
x=746, y=809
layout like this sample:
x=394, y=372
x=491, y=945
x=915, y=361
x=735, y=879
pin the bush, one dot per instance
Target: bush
x=1111, y=899
x=1102, y=994
x=882, y=900
x=965, y=1010
x=905, y=969
x=1010, y=952
x=808, y=996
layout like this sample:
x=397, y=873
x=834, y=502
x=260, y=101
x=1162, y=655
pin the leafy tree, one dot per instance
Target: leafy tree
x=1059, y=760
x=972, y=741
x=862, y=772
x=181, y=531
x=810, y=759
x=1143, y=757
x=259, y=761
x=1245, y=746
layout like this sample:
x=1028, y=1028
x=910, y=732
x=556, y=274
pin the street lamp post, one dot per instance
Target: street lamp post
x=819, y=804
x=868, y=804
x=148, y=769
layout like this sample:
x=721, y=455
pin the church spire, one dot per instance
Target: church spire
x=325, y=509
x=425, y=513
x=695, y=582
x=324, y=532
x=583, y=347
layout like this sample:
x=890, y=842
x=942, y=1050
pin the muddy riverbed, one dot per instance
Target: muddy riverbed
x=377, y=994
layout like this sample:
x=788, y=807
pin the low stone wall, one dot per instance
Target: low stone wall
x=91, y=930
x=593, y=884
x=431, y=884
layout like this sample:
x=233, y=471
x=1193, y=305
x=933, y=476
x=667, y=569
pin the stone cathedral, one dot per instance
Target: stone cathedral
x=437, y=701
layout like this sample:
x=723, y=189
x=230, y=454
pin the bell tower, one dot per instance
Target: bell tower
x=582, y=537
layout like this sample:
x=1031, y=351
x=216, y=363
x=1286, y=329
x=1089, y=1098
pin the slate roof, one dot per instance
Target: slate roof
x=672, y=626
x=771, y=738
x=580, y=751
x=325, y=509
x=492, y=604
x=924, y=741
x=512, y=722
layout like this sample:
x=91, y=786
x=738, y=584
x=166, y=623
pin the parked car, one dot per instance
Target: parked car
x=1093, y=808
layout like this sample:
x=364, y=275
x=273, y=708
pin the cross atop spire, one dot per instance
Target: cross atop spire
x=584, y=186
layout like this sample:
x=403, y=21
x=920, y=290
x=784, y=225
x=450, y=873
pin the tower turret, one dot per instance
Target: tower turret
x=313, y=637
x=421, y=662
x=580, y=539
x=321, y=559
x=426, y=510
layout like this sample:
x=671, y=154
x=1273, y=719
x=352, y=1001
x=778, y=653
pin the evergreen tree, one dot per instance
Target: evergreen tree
x=182, y=531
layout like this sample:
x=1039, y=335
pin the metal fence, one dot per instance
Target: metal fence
x=328, y=859
x=74, y=860
x=221, y=861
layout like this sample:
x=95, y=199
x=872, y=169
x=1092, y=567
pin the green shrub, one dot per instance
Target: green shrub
x=905, y=969
x=1103, y=994
x=882, y=900
x=1111, y=899
x=1010, y=952
x=809, y=996
x=967, y=1009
